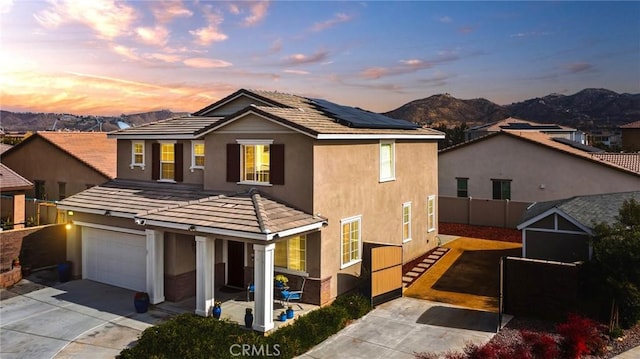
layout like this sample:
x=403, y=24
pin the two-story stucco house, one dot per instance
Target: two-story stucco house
x=255, y=183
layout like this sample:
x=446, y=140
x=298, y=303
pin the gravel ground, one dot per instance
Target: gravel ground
x=511, y=333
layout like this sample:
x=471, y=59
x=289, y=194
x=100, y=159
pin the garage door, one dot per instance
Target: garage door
x=114, y=258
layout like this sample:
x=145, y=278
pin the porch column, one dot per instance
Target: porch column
x=263, y=282
x=155, y=265
x=205, y=257
x=18, y=210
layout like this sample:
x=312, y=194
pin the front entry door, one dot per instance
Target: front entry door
x=235, y=256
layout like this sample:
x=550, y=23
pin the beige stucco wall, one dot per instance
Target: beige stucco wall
x=346, y=184
x=298, y=156
x=125, y=171
x=40, y=160
x=529, y=166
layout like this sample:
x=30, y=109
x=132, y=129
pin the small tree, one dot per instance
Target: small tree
x=617, y=262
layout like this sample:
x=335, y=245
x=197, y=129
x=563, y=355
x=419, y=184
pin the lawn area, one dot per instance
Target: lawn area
x=467, y=275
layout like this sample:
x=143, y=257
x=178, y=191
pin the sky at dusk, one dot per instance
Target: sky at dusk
x=107, y=57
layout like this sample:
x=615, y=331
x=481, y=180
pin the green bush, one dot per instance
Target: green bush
x=189, y=336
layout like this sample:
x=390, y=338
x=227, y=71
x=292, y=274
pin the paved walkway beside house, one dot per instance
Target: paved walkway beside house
x=404, y=326
x=467, y=275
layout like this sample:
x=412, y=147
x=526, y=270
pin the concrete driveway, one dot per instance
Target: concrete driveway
x=77, y=319
x=404, y=326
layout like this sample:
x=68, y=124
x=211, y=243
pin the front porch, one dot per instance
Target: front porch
x=234, y=305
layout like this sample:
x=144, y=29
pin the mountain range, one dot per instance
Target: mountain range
x=585, y=110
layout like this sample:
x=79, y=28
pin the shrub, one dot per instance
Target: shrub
x=616, y=332
x=355, y=304
x=580, y=336
x=540, y=346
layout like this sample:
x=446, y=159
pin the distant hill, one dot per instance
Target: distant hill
x=29, y=121
x=589, y=108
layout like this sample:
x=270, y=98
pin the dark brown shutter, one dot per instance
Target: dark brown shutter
x=179, y=162
x=155, y=161
x=276, y=163
x=233, y=162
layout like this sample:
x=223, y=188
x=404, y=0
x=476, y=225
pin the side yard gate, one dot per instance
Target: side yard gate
x=386, y=272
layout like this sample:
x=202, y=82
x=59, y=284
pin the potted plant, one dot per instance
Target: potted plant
x=281, y=280
x=283, y=317
x=248, y=318
x=290, y=313
x=141, y=302
x=216, y=311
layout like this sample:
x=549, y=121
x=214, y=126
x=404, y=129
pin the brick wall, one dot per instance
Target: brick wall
x=37, y=247
x=11, y=277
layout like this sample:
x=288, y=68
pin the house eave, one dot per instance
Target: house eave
x=371, y=136
x=102, y=212
x=184, y=136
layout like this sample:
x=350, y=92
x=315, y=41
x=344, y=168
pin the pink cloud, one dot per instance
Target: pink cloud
x=579, y=67
x=108, y=18
x=337, y=19
x=298, y=59
x=258, y=12
x=165, y=11
x=211, y=33
x=157, y=36
x=203, y=62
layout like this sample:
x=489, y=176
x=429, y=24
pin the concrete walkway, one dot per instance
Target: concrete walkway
x=404, y=326
x=633, y=353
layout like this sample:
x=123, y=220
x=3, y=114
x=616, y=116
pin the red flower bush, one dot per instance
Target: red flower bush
x=580, y=336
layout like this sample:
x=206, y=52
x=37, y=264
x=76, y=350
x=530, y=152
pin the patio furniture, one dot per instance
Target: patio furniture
x=287, y=295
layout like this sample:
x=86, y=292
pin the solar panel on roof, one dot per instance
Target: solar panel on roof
x=528, y=126
x=355, y=117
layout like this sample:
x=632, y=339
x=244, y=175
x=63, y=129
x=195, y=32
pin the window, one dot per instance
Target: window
x=292, y=254
x=463, y=187
x=39, y=188
x=351, y=241
x=197, y=154
x=501, y=189
x=255, y=162
x=137, y=154
x=387, y=161
x=431, y=213
x=167, y=162
x=62, y=189
x=406, y=222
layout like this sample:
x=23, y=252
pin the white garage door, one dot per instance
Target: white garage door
x=114, y=258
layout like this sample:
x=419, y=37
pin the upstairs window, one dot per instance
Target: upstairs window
x=406, y=222
x=137, y=154
x=292, y=254
x=501, y=188
x=197, y=155
x=462, y=187
x=387, y=161
x=167, y=159
x=351, y=247
x=62, y=190
x=40, y=189
x=431, y=213
x=255, y=162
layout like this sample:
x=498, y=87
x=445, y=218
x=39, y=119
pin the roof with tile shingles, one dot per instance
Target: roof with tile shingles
x=626, y=160
x=586, y=210
x=91, y=148
x=297, y=112
x=635, y=124
x=189, y=205
x=11, y=181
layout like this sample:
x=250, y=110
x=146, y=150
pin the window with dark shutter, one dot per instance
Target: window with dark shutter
x=276, y=164
x=233, y=162
x=155, y=161
x=179, y=162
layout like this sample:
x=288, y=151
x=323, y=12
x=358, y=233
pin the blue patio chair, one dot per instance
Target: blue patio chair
x=287, y=296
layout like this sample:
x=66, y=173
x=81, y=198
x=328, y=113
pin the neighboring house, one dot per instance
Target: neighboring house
x=630, y=134
x=609, y=138
x=516, y=124
x=4, y=147
x=13, y=186
x=255, y=183
x=63, y=163
x=560, y=230
x=531, y=167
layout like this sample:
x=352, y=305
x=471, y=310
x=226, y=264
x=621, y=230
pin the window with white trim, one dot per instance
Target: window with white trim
x=351, y=246
x=167, y=162
x=137, y=154
x=387, y=161
x=431, y=213
x=255, y=161
x=197, y=155
x=406, y=221
x=291, y=254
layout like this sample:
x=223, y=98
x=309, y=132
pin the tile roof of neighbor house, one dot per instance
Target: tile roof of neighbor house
x=626, y=163
x=635, y=124
x=189, y=205
x=11, y=181
x=92, y=148
x=4, y=147
x=587, y=210
x=513, y=123
x=626, y=160
x=311, y=116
